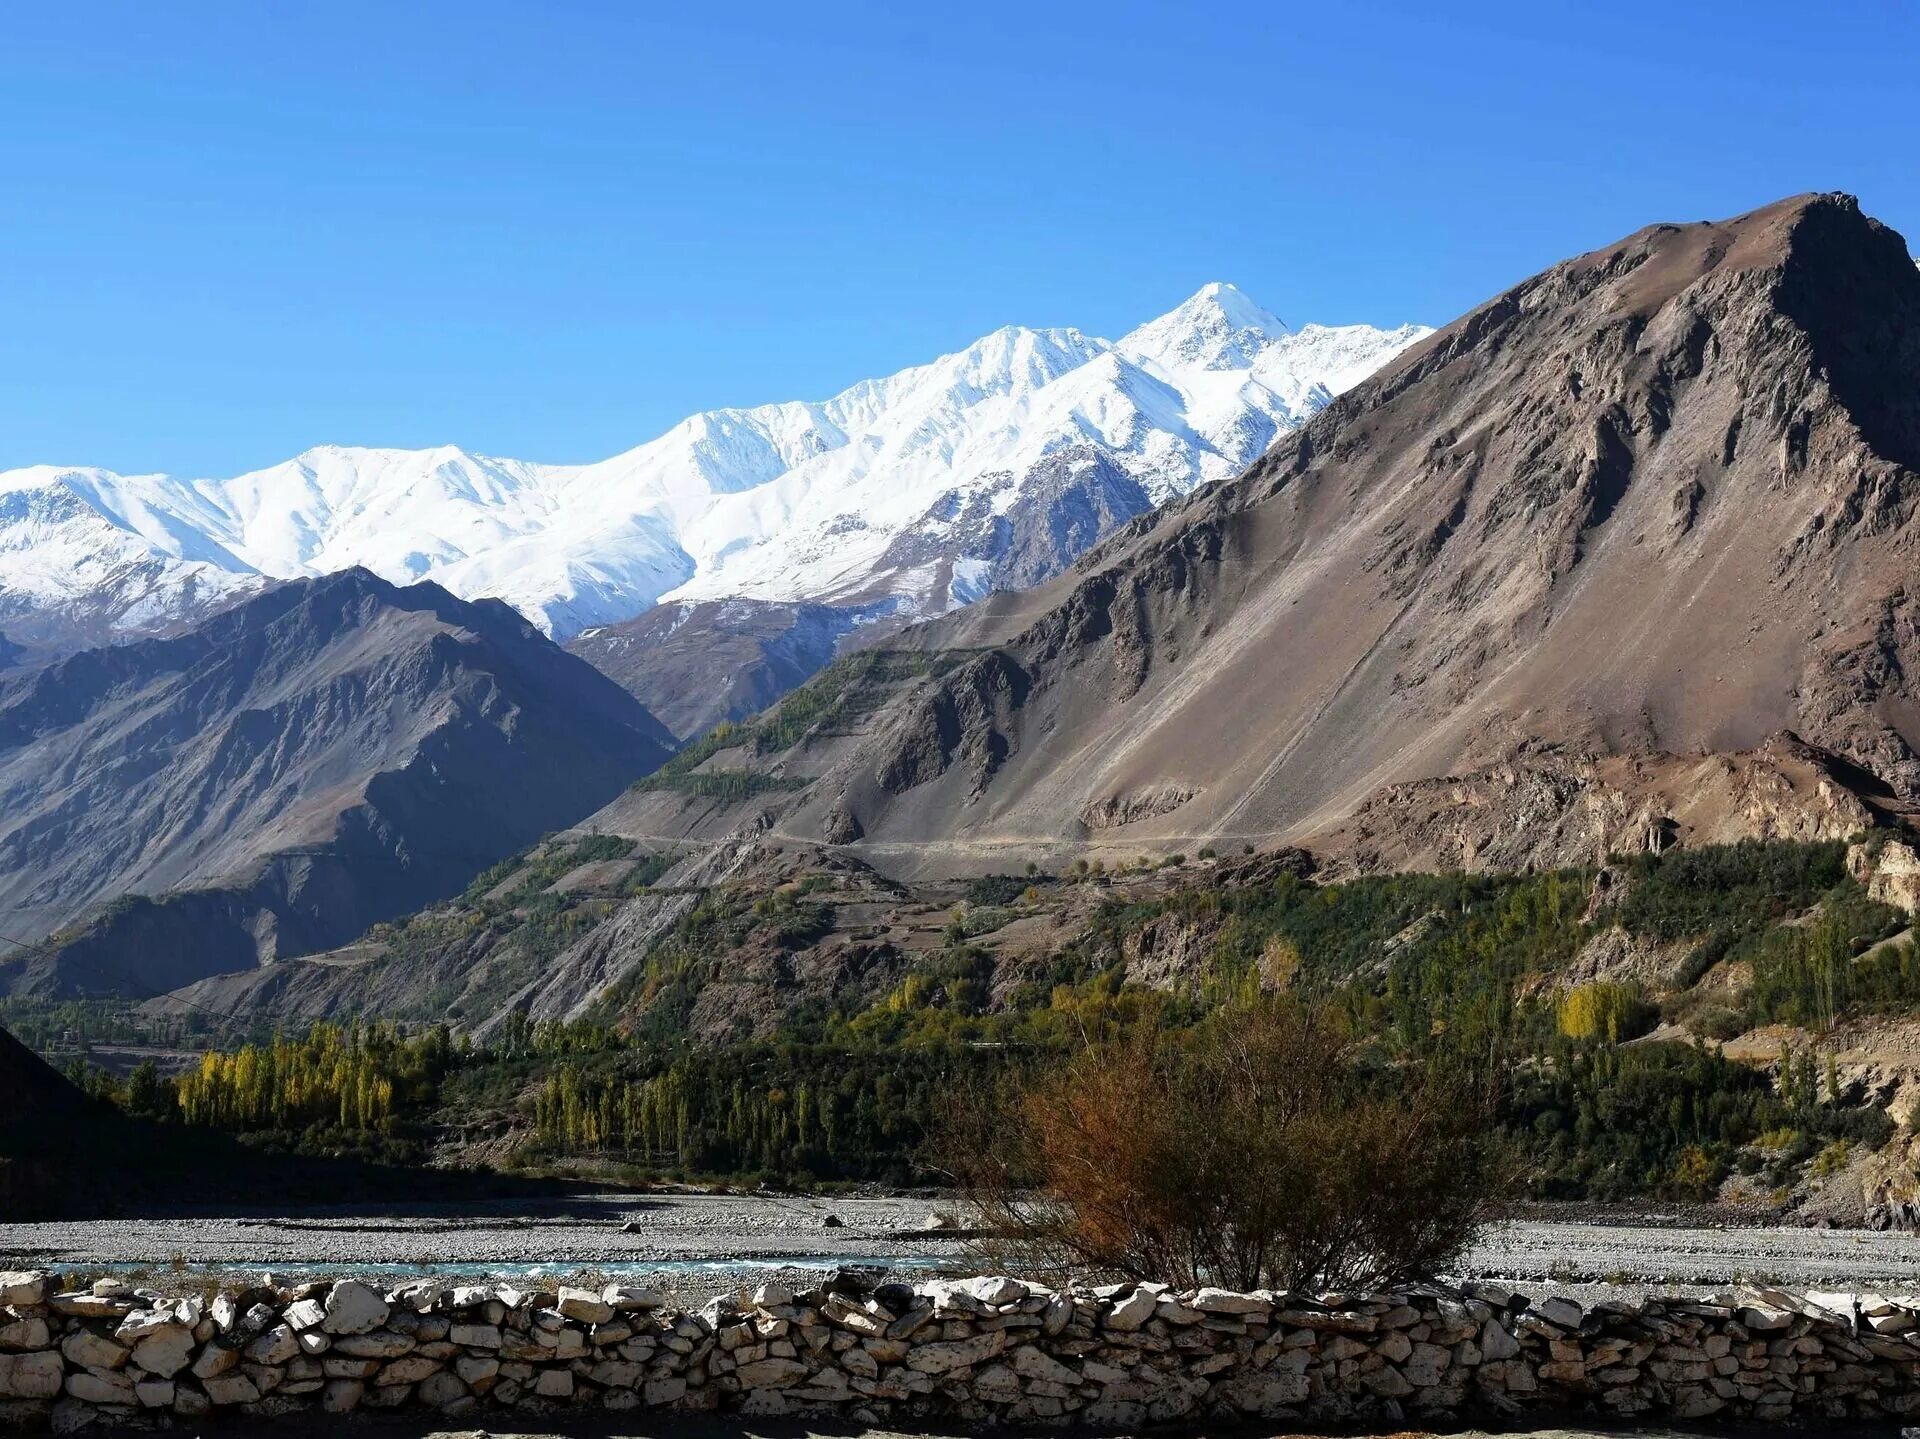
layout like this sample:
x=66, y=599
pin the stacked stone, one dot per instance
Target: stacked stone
x=981, y=1351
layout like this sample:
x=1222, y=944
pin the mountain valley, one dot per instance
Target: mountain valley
x=1540, y=703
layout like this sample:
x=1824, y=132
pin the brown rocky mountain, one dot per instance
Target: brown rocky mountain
x=696, y=664
x=1623, y=556
x=329, y=754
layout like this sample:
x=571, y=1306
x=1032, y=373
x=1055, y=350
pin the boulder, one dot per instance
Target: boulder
x=93, y=1387
x=274, y=1346
x=1136, y=1309
x=166, y=1352
x=1225, y=1301
x=22, y=1289
x=28, y=1333
x=584, y=1305
x=88, y=1350
x=631, y=1299
x=231, y=1389
x=377, y=1344
x=31, y=1376
x=441, y=1390
x=770, y=1373
x=354, y=1308
x=945, y=1356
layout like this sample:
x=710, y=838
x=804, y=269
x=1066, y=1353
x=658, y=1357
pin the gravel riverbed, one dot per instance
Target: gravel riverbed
x=696, y=1244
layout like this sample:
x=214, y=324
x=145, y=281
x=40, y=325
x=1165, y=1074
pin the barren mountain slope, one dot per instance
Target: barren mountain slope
x=1654, y=502
x=331, y=753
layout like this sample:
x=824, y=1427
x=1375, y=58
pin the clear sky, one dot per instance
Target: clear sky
x=231, y=231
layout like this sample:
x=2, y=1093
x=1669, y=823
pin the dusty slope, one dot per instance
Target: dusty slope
x=331, y=753
x=1654, y=503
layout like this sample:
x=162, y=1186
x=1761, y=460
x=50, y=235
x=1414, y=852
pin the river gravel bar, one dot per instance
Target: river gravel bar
x=698, y=1243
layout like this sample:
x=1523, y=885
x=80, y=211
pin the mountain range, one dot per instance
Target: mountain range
x=325, y=755
x=896, y=499
x=1620, y=559
x=1616, y=561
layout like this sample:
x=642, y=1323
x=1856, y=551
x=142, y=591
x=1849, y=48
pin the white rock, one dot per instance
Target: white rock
x=995, y=1289
x=231, y=1389
x=22, y=1288
x=165, y=1353
x=1225, y=1301
x=1136, y=1309
x=94, y=1387
x=440, y=1390
x=30, y=1376
x=89, y=1351
x=631, y=1298
x=354, y=1308
x=584, y=1305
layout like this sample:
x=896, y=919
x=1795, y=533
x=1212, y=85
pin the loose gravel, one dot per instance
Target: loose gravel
x=695, y=1244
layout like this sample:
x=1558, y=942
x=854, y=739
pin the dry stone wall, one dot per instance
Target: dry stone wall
x=979, y=1351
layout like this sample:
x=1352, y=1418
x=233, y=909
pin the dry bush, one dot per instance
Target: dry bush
x=1252, y=1152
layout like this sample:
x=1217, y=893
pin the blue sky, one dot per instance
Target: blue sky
x=229, y=232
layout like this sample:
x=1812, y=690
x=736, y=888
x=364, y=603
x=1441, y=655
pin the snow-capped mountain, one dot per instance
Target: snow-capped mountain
x=906, y=491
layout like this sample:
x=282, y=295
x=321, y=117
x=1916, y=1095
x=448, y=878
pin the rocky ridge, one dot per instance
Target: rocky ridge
x=329, y=754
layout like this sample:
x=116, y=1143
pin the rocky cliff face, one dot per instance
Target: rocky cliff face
x=331, y=753
x=1652, y=505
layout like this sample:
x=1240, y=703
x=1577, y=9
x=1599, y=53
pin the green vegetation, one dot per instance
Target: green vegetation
x=712, y=1056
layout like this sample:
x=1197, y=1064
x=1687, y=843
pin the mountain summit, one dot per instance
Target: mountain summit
x=882, y=497
x=1219, y=328
x=1623, y=555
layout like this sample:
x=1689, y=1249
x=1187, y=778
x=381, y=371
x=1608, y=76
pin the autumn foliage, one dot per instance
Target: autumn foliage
x=1255, y=1151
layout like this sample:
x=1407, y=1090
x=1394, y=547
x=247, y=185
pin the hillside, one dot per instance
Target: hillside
x=270, y=783
x=1719, y=1022
x=1621, y=556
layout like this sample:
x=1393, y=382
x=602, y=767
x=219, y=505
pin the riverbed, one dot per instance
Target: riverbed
x=692, y=1245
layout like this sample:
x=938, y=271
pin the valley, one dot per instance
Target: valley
x=1395, y=729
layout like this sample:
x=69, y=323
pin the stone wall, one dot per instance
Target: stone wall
x=975, y=1351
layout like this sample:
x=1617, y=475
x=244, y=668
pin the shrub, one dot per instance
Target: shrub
x=1250, y=1152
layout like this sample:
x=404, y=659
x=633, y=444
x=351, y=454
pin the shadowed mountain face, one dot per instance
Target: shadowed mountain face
x=694, y=664
x=331, y=753
x=1622, y=556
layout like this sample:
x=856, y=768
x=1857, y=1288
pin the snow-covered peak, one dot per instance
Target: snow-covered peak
x=1218, y=328
x=856, y=496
